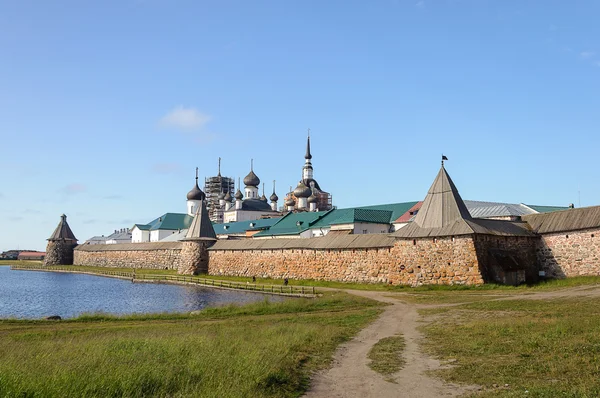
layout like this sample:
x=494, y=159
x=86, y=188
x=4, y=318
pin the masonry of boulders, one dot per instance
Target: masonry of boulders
x=130, y=255
x=570, y=253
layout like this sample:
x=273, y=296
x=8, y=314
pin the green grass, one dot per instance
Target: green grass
x=20, y=262
x=386, y=356
x=260, y=350
x=548, y=348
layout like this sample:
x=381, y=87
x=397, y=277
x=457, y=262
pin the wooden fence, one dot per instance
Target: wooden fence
x=289, y=290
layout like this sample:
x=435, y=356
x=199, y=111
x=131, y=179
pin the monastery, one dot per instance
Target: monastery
x=439, y=240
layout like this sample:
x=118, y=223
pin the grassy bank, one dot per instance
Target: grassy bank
x=260, y=350
x=538, y=348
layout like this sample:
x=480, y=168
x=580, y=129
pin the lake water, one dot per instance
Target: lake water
x=33, y=294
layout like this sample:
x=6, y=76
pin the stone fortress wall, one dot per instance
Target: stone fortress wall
x=369, y=258
x=569, y=253
x=130, y=255
x=417, y=262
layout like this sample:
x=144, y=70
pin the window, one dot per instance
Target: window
x=364, y=231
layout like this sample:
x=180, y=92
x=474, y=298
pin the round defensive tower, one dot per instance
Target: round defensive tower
x=61, y=245
x=200, y=236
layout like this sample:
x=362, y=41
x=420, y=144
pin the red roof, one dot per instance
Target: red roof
x=32, y=254
x=410, y=213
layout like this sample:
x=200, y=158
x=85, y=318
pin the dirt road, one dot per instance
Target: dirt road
x=350, y=375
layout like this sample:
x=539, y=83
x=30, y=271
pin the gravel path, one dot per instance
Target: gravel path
x=350, y=375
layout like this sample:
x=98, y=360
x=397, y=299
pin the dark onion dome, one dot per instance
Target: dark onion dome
x=312, y=199
x=221, y=196
x=290, y=202
x=302, y=191
x=196, y=193
x=251, y=180
x=238, y=195
x=227, y=197
x=263, y=198
x=274, y=197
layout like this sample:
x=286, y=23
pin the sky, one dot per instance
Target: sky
x=107, y=107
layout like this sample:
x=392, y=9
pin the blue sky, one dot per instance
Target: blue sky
x=107, y=107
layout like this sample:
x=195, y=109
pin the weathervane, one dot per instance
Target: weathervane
x=443, y=158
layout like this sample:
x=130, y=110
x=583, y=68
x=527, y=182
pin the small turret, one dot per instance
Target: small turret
x=238, y=197
x=302, y=192
x=274, y=198
x=252, y=182
x=290, y=203
x=194, y=197
x=61, y=245
x=312, y=202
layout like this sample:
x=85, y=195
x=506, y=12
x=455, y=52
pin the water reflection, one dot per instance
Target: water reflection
x=30, y=294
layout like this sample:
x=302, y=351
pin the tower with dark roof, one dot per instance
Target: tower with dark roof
x=61, y=245
x=200, y=236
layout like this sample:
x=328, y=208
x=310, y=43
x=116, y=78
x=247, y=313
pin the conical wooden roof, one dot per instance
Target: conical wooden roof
x=444, y=213
x=201, y=228
x=443, y=205
x=63, y=231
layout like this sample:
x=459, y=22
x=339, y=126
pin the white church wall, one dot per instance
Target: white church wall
x=139, y=236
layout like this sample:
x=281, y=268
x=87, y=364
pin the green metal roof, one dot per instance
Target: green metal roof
x=143, y=227
x=354, y=215
x=171, y=221
x=241, y=227
x=397, y=209
x=288, y=224
x=547, y=209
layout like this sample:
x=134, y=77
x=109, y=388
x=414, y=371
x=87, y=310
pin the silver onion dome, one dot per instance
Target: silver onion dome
x=302, y=191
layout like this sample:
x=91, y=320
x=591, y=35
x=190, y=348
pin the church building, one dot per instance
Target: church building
x=308, y=195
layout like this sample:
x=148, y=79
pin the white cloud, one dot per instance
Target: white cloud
x=185, y=119
x=73, y=189
x=587, y=54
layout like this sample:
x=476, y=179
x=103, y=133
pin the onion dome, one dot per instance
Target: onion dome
x=263, y=198
x=274, y=197
x=227, y=197
x=290, y=202
x=238, y=195
x=196, y=193
x=312, y=199
x=251, y=180
x=302, y=191
x=221, y=196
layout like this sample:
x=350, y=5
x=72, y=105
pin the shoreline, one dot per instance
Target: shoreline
x=276, y=290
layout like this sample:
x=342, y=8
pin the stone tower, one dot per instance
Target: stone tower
x=61, y=245
x=200, y=236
